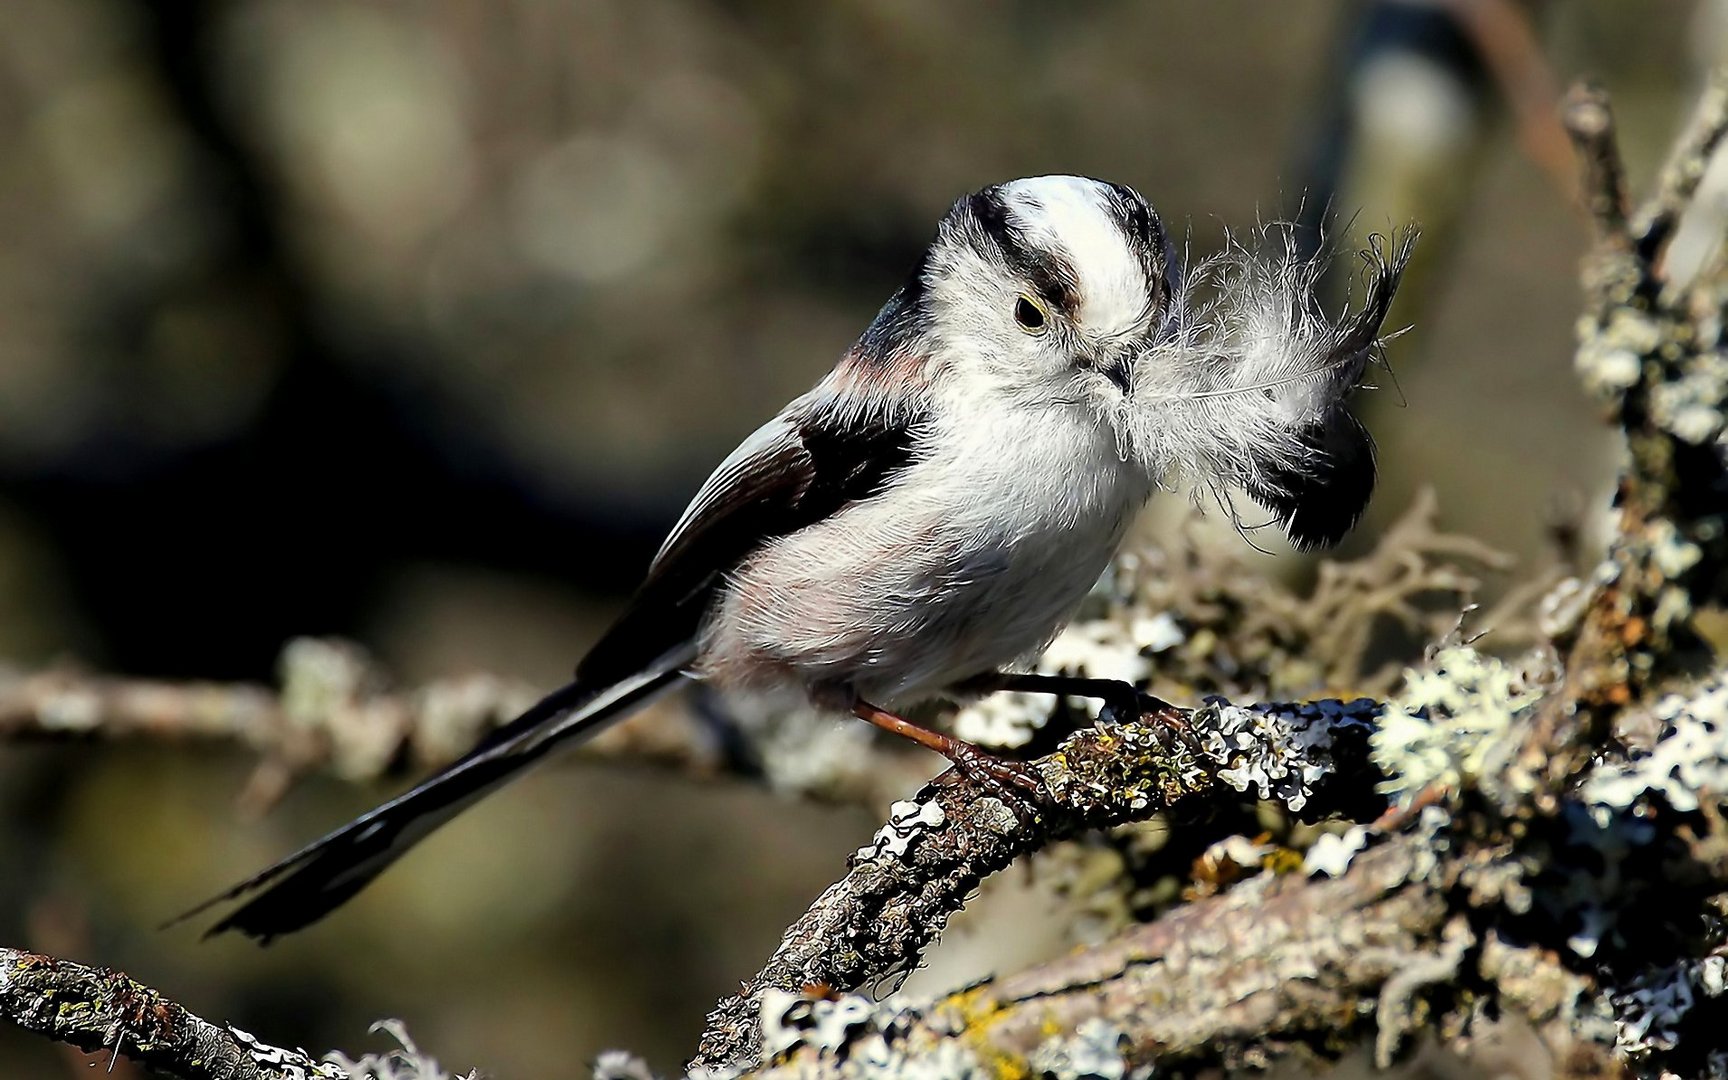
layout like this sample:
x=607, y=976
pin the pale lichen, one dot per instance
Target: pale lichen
x=1331, y=853
x=908, y=822
x=1108, y=647
x=1618, y=805
x=1561, y=608
x=1689, y=403
x=1689, y=759
x=1278, y=752
x=1094, y=1051
x=1648, y=1009
x=1235, y=852
x=805, y=752
x=1004, y=720
x=620, y=1065
x=852, y=1037
x=297, y=1065
x=406, y=1062
x=1610, y=357
x=1444, y=728
x=330, y=692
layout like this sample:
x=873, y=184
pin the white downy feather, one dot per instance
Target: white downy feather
x=1249, y=366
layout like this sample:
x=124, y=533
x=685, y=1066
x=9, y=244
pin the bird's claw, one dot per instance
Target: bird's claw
x=1133, y=705
x=1005, y=778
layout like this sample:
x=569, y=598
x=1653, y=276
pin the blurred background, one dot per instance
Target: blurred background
x=418, y=323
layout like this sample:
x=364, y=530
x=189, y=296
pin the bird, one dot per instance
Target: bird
x=914, y=527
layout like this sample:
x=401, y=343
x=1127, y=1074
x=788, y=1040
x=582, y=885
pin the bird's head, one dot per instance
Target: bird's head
x=1043, y=289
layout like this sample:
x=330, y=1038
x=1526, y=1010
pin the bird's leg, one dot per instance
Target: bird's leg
x=973, y=760
x=1128, y=701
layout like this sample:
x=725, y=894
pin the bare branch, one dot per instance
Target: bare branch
x=1504, y=34
x=1590, y=123
x=337, y=711
x=1678, y=182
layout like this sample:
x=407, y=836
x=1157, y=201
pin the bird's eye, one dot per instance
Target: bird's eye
x=1029, y=313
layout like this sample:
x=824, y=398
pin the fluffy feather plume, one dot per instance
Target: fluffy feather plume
x=1246, y=388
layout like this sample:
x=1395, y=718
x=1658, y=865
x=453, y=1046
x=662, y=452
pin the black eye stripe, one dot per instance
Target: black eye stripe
x=1051, y=276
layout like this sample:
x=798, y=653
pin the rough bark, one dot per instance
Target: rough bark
x=921, y=867
x=99, y=1009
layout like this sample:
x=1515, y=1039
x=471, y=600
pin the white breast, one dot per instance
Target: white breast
x=970, y=562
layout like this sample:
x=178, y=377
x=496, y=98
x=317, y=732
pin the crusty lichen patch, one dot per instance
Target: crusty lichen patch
x=1452, y=716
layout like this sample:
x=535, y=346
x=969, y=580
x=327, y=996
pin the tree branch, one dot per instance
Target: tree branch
x=336, y=711
x=1233, y=980
x=902, y=888
x=1294, y=967
x=1678, y=182
x=1648, y=352
x=1590, y=122
x=99, y=1009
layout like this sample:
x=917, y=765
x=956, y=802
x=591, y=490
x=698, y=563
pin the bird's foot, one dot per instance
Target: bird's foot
x=1131, y=704
x=1004, y=777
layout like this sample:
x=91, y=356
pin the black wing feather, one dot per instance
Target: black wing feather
x=805, y=465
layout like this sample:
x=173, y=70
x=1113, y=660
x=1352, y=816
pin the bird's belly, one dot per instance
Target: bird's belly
x=899, y=598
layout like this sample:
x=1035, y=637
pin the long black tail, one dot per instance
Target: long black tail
x=320, y=877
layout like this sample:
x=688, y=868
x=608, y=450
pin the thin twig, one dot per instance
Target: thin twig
x=1503, y=34
x=1659, y=216
x=1590, y=122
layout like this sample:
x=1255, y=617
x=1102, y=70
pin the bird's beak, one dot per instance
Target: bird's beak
x=1111, y=360
x=1118, y=370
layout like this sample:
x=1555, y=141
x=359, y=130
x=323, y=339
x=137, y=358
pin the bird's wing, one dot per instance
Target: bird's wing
x=824, y=451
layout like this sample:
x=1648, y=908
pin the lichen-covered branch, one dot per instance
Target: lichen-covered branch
x=1589, y=120
x=1283, y=968
x=936, y=848
x=1678, y=182
x=1234, y=980
x=1652, y=350
x=1437, y=927
x=99, y=1009
x=336, y=711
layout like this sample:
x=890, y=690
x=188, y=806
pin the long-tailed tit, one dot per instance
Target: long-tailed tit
x=934, y=510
